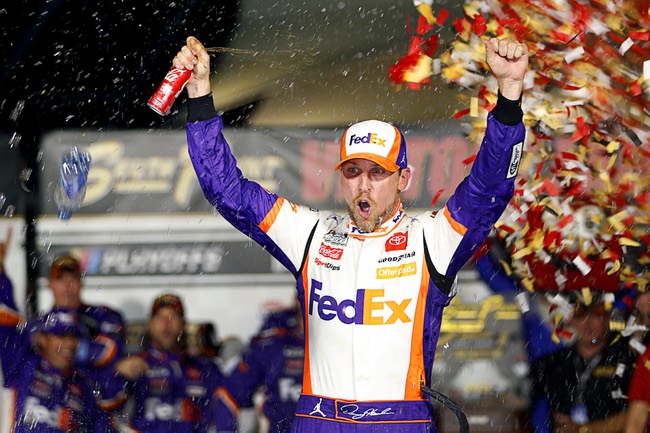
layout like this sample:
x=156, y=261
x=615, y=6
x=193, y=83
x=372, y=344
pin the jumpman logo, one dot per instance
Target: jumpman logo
x=317, y=409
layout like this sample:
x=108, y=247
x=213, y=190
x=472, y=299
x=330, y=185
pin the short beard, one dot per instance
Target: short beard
x=370, y=225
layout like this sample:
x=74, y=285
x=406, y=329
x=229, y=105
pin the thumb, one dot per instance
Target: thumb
x=194, y=44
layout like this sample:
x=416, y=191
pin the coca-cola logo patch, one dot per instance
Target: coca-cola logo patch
x=397, y=242
x=329, y=252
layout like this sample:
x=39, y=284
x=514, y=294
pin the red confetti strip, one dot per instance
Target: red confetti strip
x=442, y=16
x=551, y=239
x=461, y=113
x=423, y=26
x=479, y=26
x=468, y=161
x=435, y=198
x=564, y=221
x=550, y=188
x=641, y=36
x=432, y=44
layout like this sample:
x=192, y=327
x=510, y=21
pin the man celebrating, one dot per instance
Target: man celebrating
x=372, y=284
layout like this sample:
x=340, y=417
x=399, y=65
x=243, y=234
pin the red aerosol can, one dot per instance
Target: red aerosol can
x=163, y=98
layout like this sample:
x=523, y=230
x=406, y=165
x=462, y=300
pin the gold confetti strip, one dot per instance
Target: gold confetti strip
x=586, y=295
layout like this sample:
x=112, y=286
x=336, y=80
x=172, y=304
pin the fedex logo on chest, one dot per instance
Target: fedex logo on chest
x=369, y=307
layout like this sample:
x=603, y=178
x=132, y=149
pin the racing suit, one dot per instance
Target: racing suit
x=372, y=302
x=46, y=399
x=175, y=394
x=274, y=361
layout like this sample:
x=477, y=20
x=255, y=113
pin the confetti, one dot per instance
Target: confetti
x=581, y=207
x=579, y=217
x=416, y=67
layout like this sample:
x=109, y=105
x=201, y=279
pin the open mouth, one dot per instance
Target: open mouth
x=364, y=208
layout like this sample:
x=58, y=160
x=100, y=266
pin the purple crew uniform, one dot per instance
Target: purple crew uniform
x=101, y=347
x=176, y=394
x=372, y=302
x=274, y=360
x=104, y=325
x=47, y=400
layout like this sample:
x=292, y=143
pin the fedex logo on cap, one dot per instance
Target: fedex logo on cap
x=371, y=138
x=375, y=141
x=370, y=307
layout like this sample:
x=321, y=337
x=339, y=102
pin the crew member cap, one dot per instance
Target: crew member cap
x=376, y=141
x=65, y=264
x=168, y=300
x=62, y=321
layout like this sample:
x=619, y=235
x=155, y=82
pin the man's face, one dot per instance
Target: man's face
x=165, y=329
x=592, y=325
x=58, y=350
x=66, y=289
x=371, y=192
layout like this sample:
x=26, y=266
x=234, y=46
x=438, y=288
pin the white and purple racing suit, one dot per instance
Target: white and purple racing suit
x=372, y=302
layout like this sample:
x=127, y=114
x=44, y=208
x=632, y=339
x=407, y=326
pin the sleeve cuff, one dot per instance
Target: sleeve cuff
x=508, y=111
x=201, y=108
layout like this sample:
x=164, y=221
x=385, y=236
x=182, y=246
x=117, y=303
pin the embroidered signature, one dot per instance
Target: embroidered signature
x=353, y=411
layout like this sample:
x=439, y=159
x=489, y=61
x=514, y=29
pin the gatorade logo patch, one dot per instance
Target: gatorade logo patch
x=515, y=159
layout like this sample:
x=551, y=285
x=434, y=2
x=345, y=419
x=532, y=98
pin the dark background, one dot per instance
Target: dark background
x=79, y=63
x=85, y=64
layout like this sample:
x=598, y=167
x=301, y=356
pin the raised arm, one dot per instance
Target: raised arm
x=484, y=194
x=248, y=206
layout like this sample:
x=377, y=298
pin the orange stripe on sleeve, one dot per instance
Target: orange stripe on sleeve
x=112, y=404
x=270, y=217
x=458, y=227
x=224, y=396
x=9, y=317
x=415, y=373
x=306, y=377
x=108, y=353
